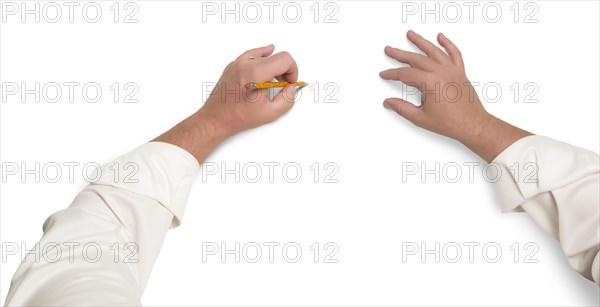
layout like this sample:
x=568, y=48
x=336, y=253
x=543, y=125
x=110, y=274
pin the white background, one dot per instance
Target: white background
x=170, y=53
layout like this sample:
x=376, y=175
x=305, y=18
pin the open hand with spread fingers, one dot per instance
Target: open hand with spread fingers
x=449, y=104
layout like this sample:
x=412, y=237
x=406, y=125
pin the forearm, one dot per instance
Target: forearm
x=139, y=207
x=492, y=137
x=198, y=134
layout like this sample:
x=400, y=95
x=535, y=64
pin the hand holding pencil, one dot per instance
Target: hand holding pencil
x=240, y=100
x=261, y=85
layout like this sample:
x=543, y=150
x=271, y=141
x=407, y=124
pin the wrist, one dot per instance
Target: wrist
x=198, y=134
x=210, y=127
x=492, y=137
x=476, y=131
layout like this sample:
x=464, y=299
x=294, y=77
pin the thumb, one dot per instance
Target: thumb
x=405, y=109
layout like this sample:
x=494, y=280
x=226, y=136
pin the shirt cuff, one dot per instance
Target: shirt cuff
x=537, y=164
x=157, y=170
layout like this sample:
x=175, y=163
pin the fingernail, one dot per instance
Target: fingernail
x=386, y=104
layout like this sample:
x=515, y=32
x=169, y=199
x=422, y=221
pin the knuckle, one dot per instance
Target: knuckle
x=285, y=54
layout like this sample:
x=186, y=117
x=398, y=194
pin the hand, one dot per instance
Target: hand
x=237, y=108
x=231, y=107
x=449, y=104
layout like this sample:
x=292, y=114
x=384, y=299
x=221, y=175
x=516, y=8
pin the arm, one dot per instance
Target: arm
x=135, y=213
x=564, y=197
x=224, y=114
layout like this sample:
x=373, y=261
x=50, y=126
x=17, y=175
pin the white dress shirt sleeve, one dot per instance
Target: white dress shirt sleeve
x=558, y=185
x=101, y=249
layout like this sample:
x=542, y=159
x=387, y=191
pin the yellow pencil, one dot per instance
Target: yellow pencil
x=257, y=85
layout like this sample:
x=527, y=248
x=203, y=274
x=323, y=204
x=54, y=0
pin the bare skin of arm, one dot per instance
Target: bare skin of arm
x=456, y=112
x=225, y=114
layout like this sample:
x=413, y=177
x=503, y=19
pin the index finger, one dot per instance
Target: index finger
x=282, y=64
x=258, y=52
